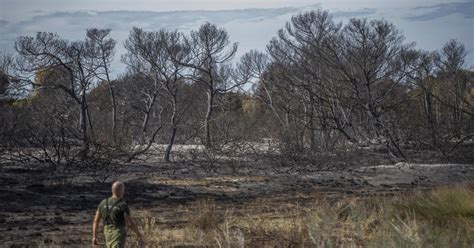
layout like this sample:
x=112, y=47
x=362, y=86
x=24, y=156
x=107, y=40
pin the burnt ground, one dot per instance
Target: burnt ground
x=39, y=210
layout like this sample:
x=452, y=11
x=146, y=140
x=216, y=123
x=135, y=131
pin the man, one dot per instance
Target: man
x=115, y=214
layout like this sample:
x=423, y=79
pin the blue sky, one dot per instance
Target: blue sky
x=251, y=23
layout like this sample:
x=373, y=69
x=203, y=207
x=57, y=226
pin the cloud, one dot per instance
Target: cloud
x=251, y=28
x=466, y=9
x=121, y=19
x=355, y=13
x=72, y=25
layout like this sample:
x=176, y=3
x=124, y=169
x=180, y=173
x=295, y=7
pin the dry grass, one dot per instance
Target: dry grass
x=439, y=218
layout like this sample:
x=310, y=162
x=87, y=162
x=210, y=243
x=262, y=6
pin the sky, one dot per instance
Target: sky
x=251, y=23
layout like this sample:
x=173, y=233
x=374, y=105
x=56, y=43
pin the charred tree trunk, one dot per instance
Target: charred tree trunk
x=83, y=125
x=170, y=144
x=174, y=130
x=207, y=120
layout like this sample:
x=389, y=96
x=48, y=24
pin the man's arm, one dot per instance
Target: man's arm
x=95, y=226
x=131, y=224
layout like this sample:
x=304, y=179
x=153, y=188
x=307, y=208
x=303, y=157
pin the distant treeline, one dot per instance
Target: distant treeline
x=319, y=86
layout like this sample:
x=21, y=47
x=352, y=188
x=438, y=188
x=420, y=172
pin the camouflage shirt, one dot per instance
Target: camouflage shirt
x=113, y=211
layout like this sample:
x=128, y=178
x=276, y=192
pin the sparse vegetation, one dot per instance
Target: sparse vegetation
x=442, y=217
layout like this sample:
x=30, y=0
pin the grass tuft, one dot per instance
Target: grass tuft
x=438, y=218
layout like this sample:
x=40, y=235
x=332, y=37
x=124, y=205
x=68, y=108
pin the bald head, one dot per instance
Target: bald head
x=118, y=189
